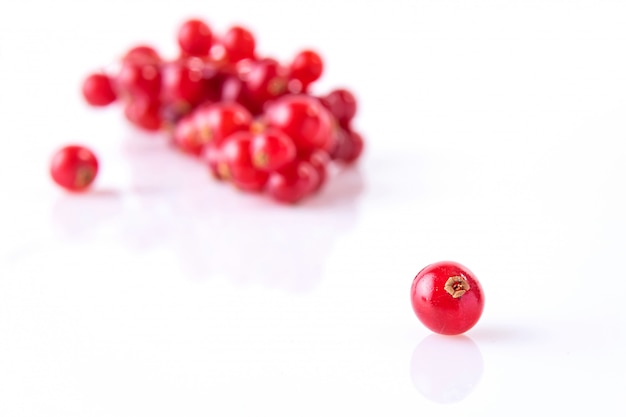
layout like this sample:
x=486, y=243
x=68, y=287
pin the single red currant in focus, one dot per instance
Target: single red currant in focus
x=98, y=90
x=272, y=150
x=74, y=167
x=195, y=37
x=447, y=298
x=306, y=67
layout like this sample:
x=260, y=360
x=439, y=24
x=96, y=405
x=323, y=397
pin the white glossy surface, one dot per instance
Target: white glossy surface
x=495, y=138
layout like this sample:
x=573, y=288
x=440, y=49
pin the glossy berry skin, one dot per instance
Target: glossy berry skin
x=186, y=137
x=144, y=113
x=142, y=54
x=183, y=82
x=212, y=157
x=293, y=182
x=272, y=150
x=238, y=44
x=447, y=298
x=264, y=81
x=342, y=105
x=303, y=119
x=217, y=121
x=348, y=146
x=195, y=38
x=237, y=166
x=98, y=90
x=306, y=67
x=319, y=159
x=74, y=167
x=139, y=78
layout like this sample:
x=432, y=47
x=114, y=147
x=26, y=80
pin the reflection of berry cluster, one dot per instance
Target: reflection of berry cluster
x=252, y=120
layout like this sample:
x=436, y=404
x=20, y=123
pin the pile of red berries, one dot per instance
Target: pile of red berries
x=253, y=121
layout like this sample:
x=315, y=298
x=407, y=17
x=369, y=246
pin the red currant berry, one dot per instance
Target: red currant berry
x=306, y=67
x=272, y=150
x=264, y=81
x=183, y=82
x=234, y=90
x=237, y=163
x=98, y=90
x=142, y=54
x=238, y=44
x=447, y=298
x=186, y=136
x=293, y=182
x=319, y=159
x=342, y=105
x=217, y=121
x=195, y=38
x=348, y=146
x=212, y=156
x=139, y=78
x=303, y=119
x=144, y=113
x=74, y=167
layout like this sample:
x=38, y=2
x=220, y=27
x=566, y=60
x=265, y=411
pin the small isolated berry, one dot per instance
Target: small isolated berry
x=74, y=167
x=447, y=298
x=98, y=90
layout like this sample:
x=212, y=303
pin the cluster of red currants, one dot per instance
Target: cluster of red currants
x=252, y=120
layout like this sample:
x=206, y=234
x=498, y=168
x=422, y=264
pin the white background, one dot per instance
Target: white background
x=495, y=137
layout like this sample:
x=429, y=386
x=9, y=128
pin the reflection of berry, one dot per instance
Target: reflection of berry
x=74, y=167
x=447, y=298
